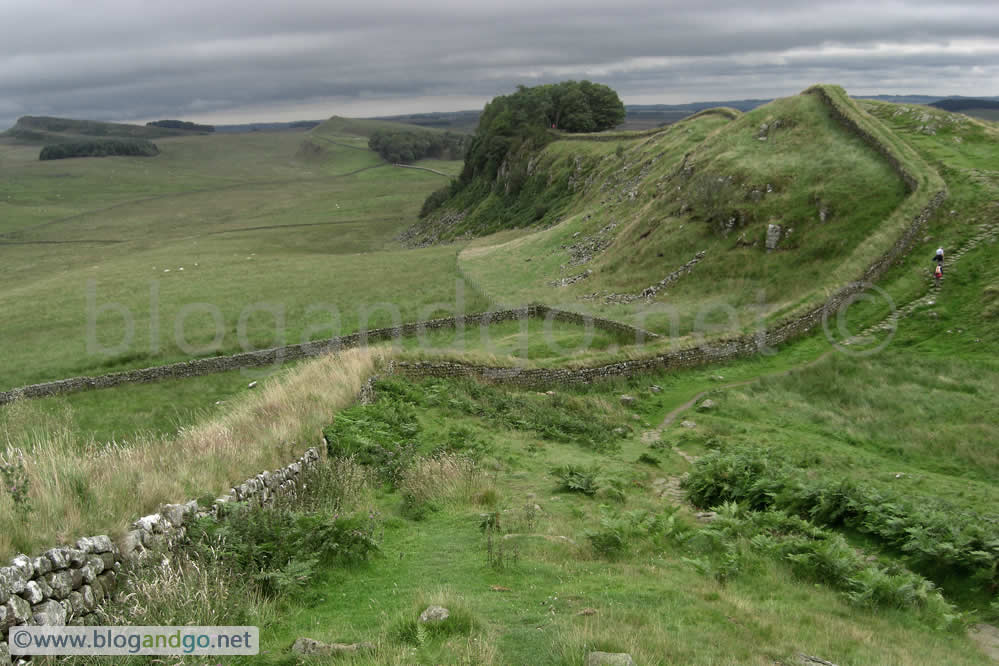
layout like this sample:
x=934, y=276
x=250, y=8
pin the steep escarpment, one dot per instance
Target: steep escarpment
x=797, y=196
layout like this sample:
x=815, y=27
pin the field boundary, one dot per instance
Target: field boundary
x=278, y=355
x=65, y=584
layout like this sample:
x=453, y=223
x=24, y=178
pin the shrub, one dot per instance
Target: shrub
x=823, y=556
x=188, y=589
x=559, y=417
x=279, y=549
x=575, y=479
x=380, y=436
x=932, y=536
x=100, y=148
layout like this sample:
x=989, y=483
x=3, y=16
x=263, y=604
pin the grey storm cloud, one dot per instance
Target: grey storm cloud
x=213, y=61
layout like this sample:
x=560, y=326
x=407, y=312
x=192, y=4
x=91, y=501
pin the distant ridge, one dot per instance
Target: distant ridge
x=48, y=130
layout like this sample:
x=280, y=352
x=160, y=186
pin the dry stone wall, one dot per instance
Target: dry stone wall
x=64, y=585
x=278, y=355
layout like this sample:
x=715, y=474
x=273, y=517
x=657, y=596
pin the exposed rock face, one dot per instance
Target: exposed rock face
x=312, y=647
x=773, y=236
x=628, y=400
x=434, y=614
x=706, y=405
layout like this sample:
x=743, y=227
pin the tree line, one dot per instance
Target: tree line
x=405, y=146
x=99, y=148
x=182, y=125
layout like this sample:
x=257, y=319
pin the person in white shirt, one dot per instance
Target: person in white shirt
x=939, y=256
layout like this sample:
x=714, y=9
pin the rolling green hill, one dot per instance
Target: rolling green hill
x=785, y=202
x=824, y=507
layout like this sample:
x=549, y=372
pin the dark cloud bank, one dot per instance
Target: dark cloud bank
x=228, y=61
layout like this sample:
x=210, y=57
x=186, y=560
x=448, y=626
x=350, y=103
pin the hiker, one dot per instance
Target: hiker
x=939, y=256
x=938, y=273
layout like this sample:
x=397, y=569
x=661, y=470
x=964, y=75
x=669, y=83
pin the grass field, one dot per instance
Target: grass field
x=235, y=222
x=476, y=508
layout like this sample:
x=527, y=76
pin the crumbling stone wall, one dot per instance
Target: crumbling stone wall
x=63, y=585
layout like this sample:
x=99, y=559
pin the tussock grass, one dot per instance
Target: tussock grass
x=442, y=479
x=105, y=488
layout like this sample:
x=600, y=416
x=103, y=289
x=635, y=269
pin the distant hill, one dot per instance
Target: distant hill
x=182, y=125
x=46, y=130
x=364, y=126
x=456, y=121
x=267, y=127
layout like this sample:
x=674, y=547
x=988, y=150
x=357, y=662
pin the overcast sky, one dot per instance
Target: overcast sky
x=237, y=60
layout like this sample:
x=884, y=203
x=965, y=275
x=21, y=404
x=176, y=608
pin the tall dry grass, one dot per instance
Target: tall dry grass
x=78, y=488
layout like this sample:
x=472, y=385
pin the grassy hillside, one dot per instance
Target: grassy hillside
x=229, y=220
x=639, y=210
x=855, y=495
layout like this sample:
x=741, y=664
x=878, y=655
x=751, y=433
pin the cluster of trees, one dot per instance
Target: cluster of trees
x=99, y=148
x=182, y=125
x=520, y=124
x=404, y=146
x=510, y=122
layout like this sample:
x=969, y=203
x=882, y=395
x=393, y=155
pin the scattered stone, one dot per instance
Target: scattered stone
x=773, y=236
x=609, y=659
x=706, y=405
x=434, y=614
x=499, y=588
x=706, y=516
x=655, y=389
x=312, y=647
x=628, y=400
x=4, y=654
x=687, y=424
x=806, y=659
x=587, y=611
x=251, y=385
